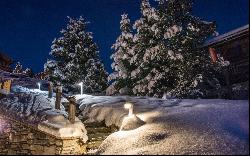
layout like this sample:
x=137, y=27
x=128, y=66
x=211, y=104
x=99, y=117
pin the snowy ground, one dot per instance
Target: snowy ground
x=32, y=106
x=172, y=126
x=26, y=101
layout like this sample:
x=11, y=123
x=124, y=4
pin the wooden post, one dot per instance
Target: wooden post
x=50, y=90
x=228, y=83
x=58, y=97
x=72, y=109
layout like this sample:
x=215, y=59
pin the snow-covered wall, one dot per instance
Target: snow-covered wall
x=30, y=110
x=31, y=106
x=17, y=138
x=37, y=110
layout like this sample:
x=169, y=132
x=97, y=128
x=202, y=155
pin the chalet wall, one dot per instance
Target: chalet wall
x=237, y=52
x=17, y=138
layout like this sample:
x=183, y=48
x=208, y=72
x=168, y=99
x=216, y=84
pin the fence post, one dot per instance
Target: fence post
x=72, y=109
x=50, y=90
x=5, y=87
x=228, y=83
x=58, y=97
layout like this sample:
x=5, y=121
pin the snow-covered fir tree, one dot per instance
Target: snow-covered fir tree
x=121, y=77
x=96, y=79
x=75, y=59
x=28, y=72
x=146, y=48
x=168, y=51
x=18, y=68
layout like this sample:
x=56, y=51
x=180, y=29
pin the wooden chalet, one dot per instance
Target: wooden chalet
x=234, y=47
x=5, y=62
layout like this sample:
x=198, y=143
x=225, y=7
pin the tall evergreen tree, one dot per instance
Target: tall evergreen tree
x=18, y=68
x=122, y=54
x=28, y=72
x=145, y=49
x=168, y=51
x=76, y=59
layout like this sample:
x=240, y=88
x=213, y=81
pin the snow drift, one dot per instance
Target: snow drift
x=33, y=107
x=172, y=126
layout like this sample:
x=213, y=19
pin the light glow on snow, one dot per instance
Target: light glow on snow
x=130, y=107
x=148, y=116
x=121, y=134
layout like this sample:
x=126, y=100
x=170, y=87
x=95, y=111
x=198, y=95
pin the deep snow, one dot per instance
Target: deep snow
x=32, y=106
x=214, y=126
x=172, y=126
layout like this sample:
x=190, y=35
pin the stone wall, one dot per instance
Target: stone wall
x=18, y=138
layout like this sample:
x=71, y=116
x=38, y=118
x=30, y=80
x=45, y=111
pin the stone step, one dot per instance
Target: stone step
x=95, y=124
x=94, y=145
x=97, y=132
x=94, y=130
x=98, y=138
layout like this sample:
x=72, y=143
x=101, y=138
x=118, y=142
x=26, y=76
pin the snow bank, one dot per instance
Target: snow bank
x=131, y=122
x=33, y=107
x=111, y=109
x=38, y=110
x=29, y=107
x=27, y=104
x=61, y=127
x=172, y=126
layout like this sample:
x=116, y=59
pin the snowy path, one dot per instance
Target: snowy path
x=172, y=126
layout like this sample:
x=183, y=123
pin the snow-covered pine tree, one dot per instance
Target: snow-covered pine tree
x=28, y=72
x=147, y=45
x=18, y=68
x=184, y=36
x=75, y=59
x=170, y=41
x=121, y=78
x=96, y=79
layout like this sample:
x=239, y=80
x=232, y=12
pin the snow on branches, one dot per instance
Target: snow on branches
x=163, y=54
x=76, y=59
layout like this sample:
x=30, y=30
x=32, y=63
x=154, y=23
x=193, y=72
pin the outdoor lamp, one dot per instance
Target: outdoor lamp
x=39, y=85
x=81, y=84
x=129, y=106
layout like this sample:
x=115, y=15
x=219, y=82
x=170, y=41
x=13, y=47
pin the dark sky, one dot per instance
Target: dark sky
x=27, y=27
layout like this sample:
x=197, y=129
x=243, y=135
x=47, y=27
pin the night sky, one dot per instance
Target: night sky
x=27, y=27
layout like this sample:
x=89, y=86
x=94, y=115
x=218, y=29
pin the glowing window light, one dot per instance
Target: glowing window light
x=129, y=106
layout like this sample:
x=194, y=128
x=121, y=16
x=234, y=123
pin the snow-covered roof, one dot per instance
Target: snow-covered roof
x=20, y=79
x=236, y=33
